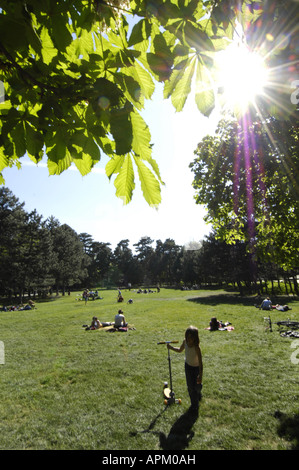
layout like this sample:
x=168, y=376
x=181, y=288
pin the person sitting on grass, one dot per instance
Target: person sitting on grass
x=96, y=324
x=120, y=320
x=266, y=304
x=215, y=324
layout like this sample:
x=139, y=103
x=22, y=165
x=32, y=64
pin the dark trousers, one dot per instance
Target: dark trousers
x=194, y=389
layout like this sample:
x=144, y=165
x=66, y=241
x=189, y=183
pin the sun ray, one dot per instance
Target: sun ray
x=241, y=75
x=259, y=68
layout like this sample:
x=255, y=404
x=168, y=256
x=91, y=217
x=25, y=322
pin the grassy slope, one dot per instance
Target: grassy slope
x=62, y=387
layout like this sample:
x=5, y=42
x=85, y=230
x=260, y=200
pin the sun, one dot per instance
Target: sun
x=241, y=76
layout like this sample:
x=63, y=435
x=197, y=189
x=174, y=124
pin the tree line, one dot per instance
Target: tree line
x=44, y=256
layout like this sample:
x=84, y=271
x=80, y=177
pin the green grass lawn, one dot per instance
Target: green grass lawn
x=66, y=388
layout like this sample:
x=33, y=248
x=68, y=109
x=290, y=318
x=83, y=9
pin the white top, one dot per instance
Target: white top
x=119, y=319
x=191, y=356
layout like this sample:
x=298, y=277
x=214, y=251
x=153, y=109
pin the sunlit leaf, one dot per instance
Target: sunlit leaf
x=48, y=50
x=183, y=85
x=149, y=184
x=59, y=157
x=4, y=161
x=143, y=78
x=57, y=165
x=84, y=164
x=204, y=92
x=88, y=153
x=141, y=136
x=124, y=182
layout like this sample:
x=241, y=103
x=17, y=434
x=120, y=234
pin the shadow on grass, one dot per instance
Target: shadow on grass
x=228, y=299
x=288, y=428
x=180, y=433
x=236, y=299
x=16, y=301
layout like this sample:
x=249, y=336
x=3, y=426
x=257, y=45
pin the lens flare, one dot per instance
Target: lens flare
x=241, y=76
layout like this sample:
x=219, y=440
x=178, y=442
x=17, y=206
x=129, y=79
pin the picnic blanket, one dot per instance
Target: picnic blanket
x=225, y=328
x=111, y=328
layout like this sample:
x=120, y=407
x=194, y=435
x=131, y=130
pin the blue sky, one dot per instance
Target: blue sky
x=88, y=204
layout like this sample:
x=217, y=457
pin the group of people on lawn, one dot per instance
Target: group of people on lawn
x=119, y=322
x=267, y=305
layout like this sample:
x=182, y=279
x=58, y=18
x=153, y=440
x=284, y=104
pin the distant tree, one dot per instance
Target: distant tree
x=70, y=267
x=190, y=266
x=166, y=254
x=87, y=242
x=12, y=221
x=144, y=252
x=26, y=250
x=101, y=256
x=143, y=248
x=35, y=255
x=122, y=258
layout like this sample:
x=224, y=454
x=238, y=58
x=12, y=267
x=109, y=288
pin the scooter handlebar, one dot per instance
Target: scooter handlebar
x=167, y=342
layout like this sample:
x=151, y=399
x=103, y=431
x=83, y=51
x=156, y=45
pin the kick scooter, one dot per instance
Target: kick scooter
x=168, y=391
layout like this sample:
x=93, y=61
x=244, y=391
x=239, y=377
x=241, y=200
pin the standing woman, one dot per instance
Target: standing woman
x=193, y=364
